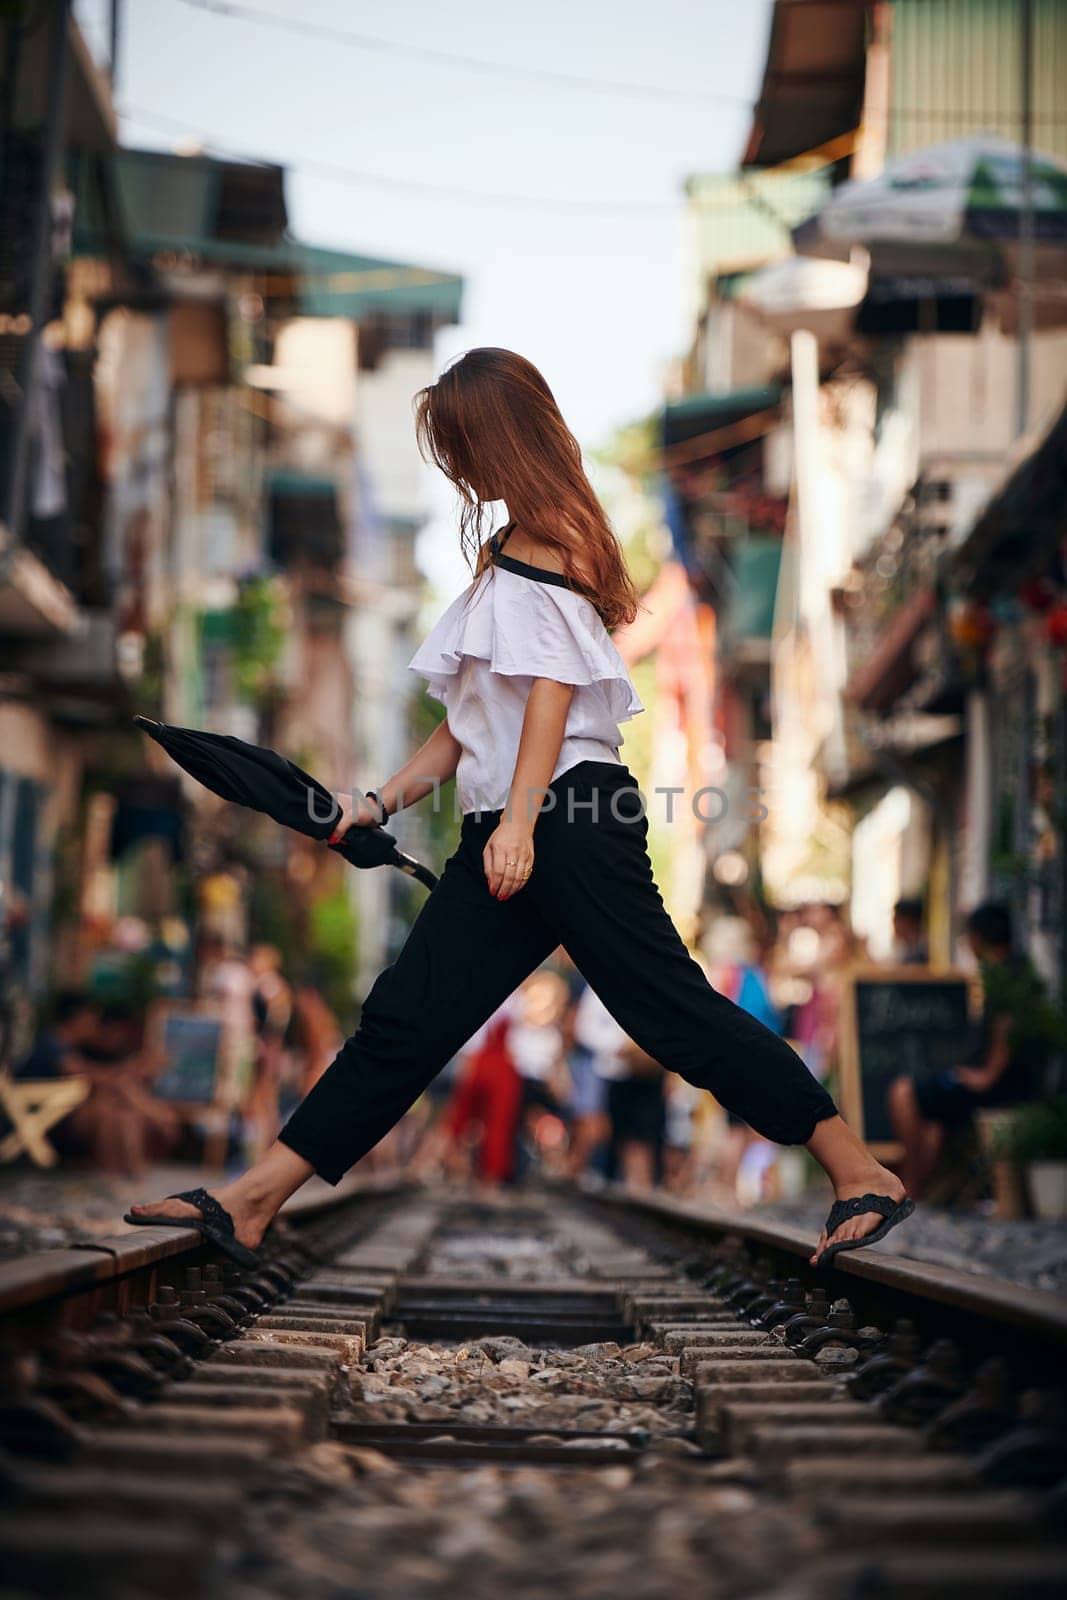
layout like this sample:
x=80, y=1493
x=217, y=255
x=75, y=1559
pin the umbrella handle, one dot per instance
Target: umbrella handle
x=415, y=869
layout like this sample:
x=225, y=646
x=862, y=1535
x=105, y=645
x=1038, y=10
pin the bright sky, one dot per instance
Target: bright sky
x=592, y=290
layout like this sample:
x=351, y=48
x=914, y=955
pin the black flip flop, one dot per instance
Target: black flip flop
x=893, y=1211
x=214, y=1222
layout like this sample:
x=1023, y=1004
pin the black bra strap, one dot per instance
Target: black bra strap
x=500, y=539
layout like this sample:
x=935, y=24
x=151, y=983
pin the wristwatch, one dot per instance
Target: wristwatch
x=372, y=794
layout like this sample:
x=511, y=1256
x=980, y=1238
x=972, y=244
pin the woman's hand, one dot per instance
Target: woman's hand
x=356, y=812
x=508, y=858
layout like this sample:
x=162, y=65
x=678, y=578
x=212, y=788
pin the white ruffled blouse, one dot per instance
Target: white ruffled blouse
x=513, y=624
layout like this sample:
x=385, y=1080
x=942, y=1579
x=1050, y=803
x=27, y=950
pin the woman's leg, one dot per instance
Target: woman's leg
x=593, y=879
x=465, y=954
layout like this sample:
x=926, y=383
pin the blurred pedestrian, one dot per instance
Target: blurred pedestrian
x=635, y=1103
x=122, y=1126
x=1002, y=1065
x=587, y=1100
x=679, y=1133
x=535, y=1040
x=316, y=1033
x=738, y=967
x=910, y=948
x=57, y=1049
x=225, y=977
x=830, y=950
x=487, y=1101
x=272, y=1005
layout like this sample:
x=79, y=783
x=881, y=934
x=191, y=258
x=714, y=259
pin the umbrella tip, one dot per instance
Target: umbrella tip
x=147, y=722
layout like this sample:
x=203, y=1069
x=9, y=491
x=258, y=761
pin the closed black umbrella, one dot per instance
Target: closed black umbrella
x=265, y=781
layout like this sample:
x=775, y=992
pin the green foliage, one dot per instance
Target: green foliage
x=334, y=944
x=318, y=943
x=148, y=688
x=1036, y=1132
x=1016, y=990
x=258, y=632
x=643, y=556
x=634, y=448
x=274, y=918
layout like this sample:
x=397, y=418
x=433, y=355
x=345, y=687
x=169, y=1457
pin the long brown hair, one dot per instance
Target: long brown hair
x=492, y=425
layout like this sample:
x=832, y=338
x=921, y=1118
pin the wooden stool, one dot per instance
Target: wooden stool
x=32, y=1106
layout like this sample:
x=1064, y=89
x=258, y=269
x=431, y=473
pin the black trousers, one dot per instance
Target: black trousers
x=592, y=891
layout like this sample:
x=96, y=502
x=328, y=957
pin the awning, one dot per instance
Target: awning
x=757, y=561
x=813, y=78
x=1023, y=524
x=187, y=211
x=700, y=415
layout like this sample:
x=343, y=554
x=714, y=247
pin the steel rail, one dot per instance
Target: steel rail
x=991, y=1312
x=80, y=1280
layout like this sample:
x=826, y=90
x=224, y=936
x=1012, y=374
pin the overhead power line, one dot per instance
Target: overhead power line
x=545, y=76
x=335, y=173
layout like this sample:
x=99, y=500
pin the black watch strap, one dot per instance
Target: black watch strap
x=372, y=794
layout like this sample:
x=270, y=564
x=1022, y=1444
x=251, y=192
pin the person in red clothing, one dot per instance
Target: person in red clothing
x=489, y=1096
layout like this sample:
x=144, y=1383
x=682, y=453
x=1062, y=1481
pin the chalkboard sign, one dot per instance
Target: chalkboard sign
x=897, y=1021
x=193, y=1044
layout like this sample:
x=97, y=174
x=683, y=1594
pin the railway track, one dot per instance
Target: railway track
x=423, y=1394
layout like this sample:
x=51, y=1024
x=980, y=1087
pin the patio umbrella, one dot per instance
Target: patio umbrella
x=803, y=292
x=264, y=781
x=953, y=205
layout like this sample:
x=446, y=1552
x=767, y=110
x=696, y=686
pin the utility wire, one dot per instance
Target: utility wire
x=335, y=173
x=444, y=58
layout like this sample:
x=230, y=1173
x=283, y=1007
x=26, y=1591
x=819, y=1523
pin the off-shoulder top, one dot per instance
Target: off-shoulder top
x=513, y=624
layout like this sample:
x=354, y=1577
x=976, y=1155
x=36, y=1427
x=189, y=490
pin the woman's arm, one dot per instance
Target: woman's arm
x=508, y=857
x=433, y=763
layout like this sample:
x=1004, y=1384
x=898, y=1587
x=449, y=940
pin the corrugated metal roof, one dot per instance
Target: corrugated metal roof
x=1024, y=522
x=746, y=219
x=956, y=69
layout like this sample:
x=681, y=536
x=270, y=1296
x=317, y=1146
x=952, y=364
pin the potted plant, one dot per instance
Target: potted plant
x=1036, y=1138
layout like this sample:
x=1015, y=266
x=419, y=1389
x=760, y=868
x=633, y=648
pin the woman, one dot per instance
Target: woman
x=553, y=838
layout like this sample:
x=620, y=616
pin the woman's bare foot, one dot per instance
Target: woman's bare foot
x=253, y=1200
x=877, y=1180
x=250, y=1222
x=853, y=1171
